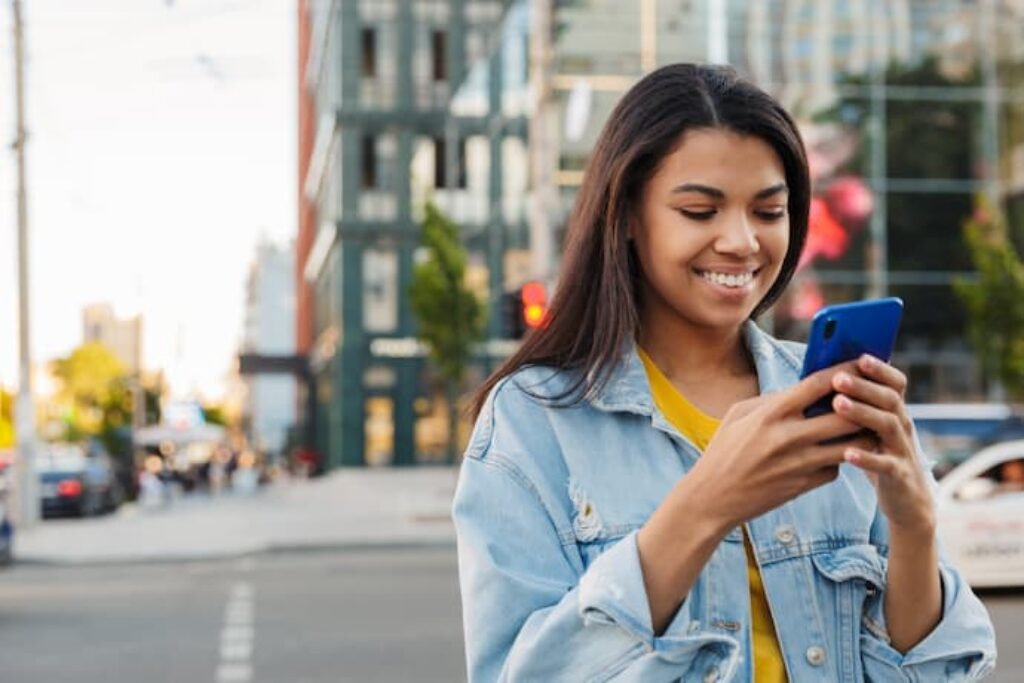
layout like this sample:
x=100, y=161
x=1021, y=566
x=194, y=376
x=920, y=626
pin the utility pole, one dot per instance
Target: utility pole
x=543, y=144
x=28, y=486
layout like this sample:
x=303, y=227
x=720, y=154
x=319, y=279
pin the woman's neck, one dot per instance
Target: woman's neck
x=688, y=354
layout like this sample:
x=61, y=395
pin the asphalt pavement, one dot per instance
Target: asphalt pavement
x=371, y=615
x=375, y=615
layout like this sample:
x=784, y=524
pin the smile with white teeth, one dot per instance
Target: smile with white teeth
x=728, y=279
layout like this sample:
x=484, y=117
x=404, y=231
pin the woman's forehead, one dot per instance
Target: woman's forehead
x=722, y=159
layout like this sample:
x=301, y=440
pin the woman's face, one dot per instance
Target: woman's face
x=713, y=230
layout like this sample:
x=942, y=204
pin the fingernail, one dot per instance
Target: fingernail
x=842, y=380
x=843, y=403
x=869, y=361
x=850, y=455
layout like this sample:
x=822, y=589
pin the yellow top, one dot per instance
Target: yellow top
x=769, y=667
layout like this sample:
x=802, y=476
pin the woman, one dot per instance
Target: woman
x=641, y=498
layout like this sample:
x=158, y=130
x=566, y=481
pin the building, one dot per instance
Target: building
x=269, y=406
x=492, y=108
x=401, y=101
x=122, y=336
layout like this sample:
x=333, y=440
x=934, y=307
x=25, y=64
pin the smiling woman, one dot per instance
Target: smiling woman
x=642, y=496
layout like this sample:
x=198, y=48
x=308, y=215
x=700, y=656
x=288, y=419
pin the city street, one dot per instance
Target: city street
x=309, y=617
x=301, y=617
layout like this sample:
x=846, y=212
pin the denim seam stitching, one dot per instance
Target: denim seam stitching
x=505, y=464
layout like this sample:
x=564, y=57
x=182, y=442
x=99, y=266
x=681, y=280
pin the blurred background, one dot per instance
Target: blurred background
x=254, y=254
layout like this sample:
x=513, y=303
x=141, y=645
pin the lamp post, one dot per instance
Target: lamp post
x=24, y=413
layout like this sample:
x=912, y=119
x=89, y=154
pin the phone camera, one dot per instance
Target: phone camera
x=830, y=328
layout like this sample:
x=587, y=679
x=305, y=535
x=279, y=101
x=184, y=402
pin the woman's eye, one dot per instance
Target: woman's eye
x=698, y=215
x=771, y=214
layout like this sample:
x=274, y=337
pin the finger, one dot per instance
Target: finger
x=891, y=428
x=816, y=457
x=821, y=476
x=743, y=408
x=807, y=431
x=868, y=391
x=808, y=390
x=882, y=372
x=876, y=463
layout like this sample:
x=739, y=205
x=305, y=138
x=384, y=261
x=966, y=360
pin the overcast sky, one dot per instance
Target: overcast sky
x=162, y=149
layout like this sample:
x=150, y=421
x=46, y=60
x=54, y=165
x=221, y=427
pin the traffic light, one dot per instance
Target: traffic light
x=525, y=309
x=534, y=296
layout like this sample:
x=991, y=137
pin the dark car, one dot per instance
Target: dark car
x=77, y=480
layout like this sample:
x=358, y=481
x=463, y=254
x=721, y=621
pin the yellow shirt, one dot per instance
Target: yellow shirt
x=769, y=666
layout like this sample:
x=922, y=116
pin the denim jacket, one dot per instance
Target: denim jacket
x=547, y=510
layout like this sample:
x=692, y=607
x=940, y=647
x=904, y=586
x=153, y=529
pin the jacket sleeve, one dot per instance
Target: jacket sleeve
x=962, y=645
x=531, y=614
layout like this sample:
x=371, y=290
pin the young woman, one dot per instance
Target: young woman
x=642, y=498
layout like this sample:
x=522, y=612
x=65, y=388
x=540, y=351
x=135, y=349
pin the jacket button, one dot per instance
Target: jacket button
x=784, y=534
x=712, y=675
x=815, y=655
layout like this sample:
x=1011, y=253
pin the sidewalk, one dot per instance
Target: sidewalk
x=346, y=508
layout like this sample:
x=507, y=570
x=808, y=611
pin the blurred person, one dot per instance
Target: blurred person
x=642, y=498
x=152, y=489
x=1011, y=476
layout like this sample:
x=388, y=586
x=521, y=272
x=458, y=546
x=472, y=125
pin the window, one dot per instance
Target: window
x=439, y=55
x=380, y=290
x=369, y=162
x=441, y=169
x=368, y=39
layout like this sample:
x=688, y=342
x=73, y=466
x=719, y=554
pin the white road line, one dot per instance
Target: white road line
x=234, y=673
x=237, y=635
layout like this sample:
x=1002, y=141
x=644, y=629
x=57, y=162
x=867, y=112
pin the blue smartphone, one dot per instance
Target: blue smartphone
x=844, y=332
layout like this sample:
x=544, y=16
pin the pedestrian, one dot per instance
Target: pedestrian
x=642, y=498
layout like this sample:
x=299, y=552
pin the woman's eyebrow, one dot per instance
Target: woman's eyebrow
x=773, y=190
x=716, y=193
x=697, y=187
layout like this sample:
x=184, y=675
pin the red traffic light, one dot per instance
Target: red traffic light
x=535, y=304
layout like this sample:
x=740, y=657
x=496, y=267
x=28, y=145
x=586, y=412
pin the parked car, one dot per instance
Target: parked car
x=952, y=432
x=981, y=515
x=77, y=480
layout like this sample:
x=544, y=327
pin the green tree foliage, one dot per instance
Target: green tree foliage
x=450, y=316
x=995, y=301
x=93, y=383
x=215, y=415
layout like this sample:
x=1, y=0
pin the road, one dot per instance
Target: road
x=386, y=615
x=380, y=615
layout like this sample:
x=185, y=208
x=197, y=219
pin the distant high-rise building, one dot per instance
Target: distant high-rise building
x=123, y=336
x=269, y=328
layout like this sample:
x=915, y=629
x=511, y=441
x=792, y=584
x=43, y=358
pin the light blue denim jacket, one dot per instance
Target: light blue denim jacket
x=547, y=509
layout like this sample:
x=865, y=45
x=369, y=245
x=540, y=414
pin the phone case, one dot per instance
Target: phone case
x=844, y=332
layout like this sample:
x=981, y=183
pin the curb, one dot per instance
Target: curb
x=362, y=545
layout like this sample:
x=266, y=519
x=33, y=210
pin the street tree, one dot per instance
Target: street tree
x=995, y=300
x=92, y=390
x=449, y=315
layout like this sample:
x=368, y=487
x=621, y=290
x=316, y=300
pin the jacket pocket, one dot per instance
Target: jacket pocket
x=854, y=577
x=592, y=546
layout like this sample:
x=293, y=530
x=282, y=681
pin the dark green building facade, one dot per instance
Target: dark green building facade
x=411, y=101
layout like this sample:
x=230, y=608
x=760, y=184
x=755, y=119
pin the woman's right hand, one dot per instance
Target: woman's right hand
x=765, y=452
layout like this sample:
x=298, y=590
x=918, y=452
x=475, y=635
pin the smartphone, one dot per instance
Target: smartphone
x=844, y=332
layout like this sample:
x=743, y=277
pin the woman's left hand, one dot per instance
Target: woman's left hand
x=875, y=401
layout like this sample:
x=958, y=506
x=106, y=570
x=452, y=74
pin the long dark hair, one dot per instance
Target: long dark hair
x=595, y=309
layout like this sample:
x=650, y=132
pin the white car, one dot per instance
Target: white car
x=981, y=516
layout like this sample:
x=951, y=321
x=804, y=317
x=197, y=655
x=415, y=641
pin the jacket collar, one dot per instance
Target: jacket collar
x=628, y=389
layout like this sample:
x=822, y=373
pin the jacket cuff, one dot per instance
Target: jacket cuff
x=958, y=648
x=612, y=591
